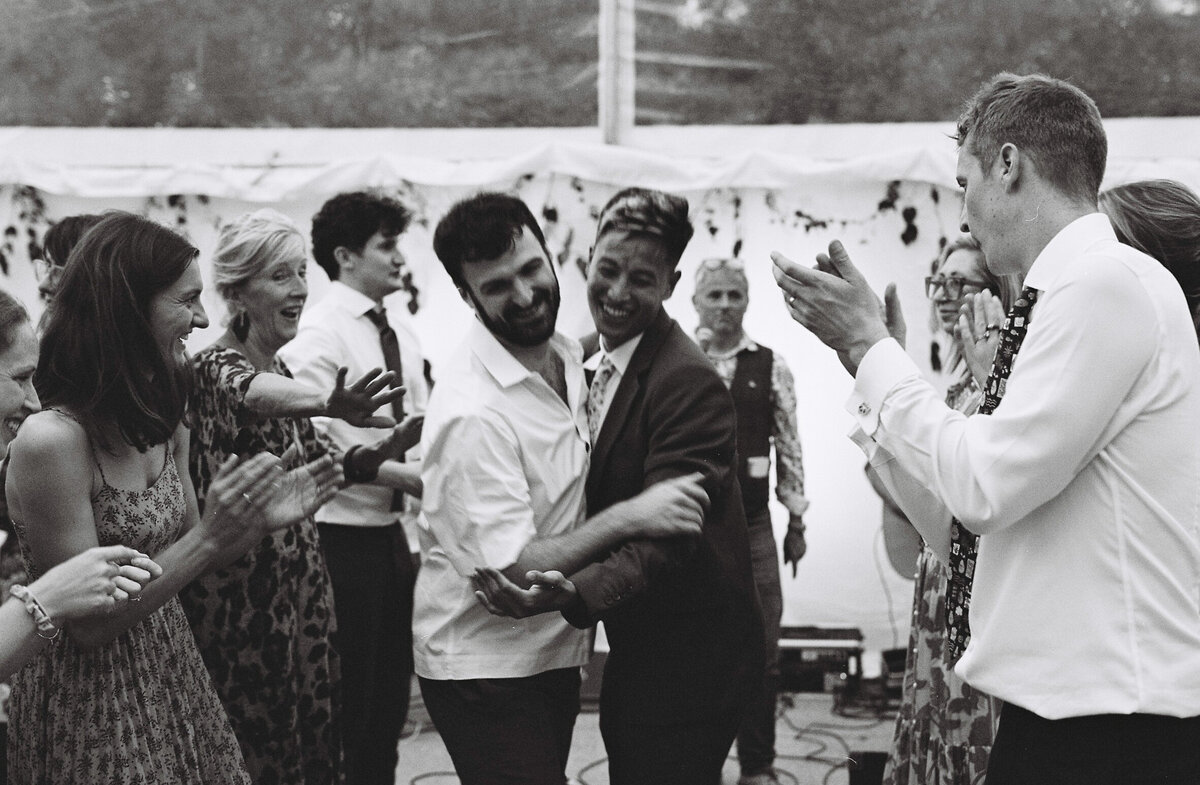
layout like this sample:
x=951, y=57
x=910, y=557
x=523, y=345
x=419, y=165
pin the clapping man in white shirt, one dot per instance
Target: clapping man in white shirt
x=1083, y=483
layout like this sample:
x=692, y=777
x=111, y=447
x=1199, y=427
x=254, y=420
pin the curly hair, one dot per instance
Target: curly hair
x=348, y=220
x=99, y=356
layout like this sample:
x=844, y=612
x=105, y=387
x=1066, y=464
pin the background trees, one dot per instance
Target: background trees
x=442, y=63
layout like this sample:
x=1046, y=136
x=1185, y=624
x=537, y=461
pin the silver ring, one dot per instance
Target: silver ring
x=249, y=501
x=135, y=598
x=791, y=299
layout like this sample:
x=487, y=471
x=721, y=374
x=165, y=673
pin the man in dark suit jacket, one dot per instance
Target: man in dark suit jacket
x=682, y=618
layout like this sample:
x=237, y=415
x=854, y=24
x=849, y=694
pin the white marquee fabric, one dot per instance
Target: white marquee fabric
x=887, y=191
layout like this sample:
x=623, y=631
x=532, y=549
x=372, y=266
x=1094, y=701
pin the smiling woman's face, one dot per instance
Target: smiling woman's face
x=18, y=399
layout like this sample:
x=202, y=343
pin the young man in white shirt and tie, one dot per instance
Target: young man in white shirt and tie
x=1084, y=481
x=355, y=241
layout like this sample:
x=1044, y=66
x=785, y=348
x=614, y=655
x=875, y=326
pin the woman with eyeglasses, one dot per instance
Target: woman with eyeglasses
x=944, y=727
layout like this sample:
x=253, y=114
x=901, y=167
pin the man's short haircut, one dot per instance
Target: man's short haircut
x=481, y=228
x=1051, y=121
x=657, y=213
x=349, y=220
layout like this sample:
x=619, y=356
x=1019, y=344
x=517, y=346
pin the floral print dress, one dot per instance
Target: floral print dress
x=945, y=727
x=140, y=710
x=263, y=623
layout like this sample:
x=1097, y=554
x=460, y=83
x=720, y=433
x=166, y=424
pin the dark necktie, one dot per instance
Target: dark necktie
x=963, y=544
x=391, y=358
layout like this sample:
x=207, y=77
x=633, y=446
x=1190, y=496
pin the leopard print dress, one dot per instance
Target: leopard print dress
x=264, y=622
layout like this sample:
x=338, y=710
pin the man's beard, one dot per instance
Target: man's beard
x=507, y=327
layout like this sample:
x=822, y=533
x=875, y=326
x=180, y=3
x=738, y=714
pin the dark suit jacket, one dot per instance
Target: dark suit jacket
x=681, y=615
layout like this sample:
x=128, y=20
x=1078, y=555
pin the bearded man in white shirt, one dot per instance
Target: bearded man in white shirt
x=1083, y=483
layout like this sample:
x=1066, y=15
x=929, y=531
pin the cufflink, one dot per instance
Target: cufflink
x=864, y=409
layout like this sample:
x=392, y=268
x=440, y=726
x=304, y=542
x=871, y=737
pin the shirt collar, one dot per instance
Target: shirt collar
x=745, y=344
x=351, y=299
x=1072, y=241
x=499, y=362
x=619, y=357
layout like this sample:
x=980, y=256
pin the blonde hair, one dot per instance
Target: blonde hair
x=249, y=243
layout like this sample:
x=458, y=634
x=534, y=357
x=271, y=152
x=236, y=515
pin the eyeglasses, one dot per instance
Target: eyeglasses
x=951, y=285
x=721, y=263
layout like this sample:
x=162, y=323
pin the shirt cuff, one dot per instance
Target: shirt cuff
x=883, y=367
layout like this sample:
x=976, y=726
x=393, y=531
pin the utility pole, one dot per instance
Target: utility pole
x=616, y=70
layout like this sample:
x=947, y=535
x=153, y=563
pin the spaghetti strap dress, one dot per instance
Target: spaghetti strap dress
x=139, y=710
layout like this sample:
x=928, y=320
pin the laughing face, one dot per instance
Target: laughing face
x=629, y=277
x=175, y=311
x=18, y=399
x=515, y=296
x=273, y=299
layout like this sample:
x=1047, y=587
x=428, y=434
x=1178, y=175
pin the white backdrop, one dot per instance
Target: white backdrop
x=886, y=191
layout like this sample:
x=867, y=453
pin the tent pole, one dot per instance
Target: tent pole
x=616, y=70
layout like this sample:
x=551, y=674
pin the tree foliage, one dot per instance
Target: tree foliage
x=445, y=63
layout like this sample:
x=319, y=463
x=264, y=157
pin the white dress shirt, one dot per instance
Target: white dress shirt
x=506, y=461
x=1084, y=484
x=336, y=332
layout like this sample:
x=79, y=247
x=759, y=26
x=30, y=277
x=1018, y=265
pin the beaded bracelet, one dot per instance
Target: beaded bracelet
x=45, y=625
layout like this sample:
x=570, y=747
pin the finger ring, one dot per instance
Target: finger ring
x=135, y=598
x=249, y=501
x=791, y=299
x=991, y=327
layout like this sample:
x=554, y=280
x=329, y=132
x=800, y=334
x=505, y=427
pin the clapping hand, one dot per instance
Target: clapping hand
x=296, y=494
x=834, y=302
x=548, y=591
x=978, y=332
x=357, y=403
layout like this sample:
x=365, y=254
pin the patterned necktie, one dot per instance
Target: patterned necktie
x=963, y=544
x=391, y=358
x=596, y=393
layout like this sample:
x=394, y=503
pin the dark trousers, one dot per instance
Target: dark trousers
x=1104, y=749
x=756, y=738
x=687, y=753
x=373, y=575
x=507, y=731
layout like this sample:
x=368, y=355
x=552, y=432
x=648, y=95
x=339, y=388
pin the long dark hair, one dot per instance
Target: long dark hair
x=98, y=355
